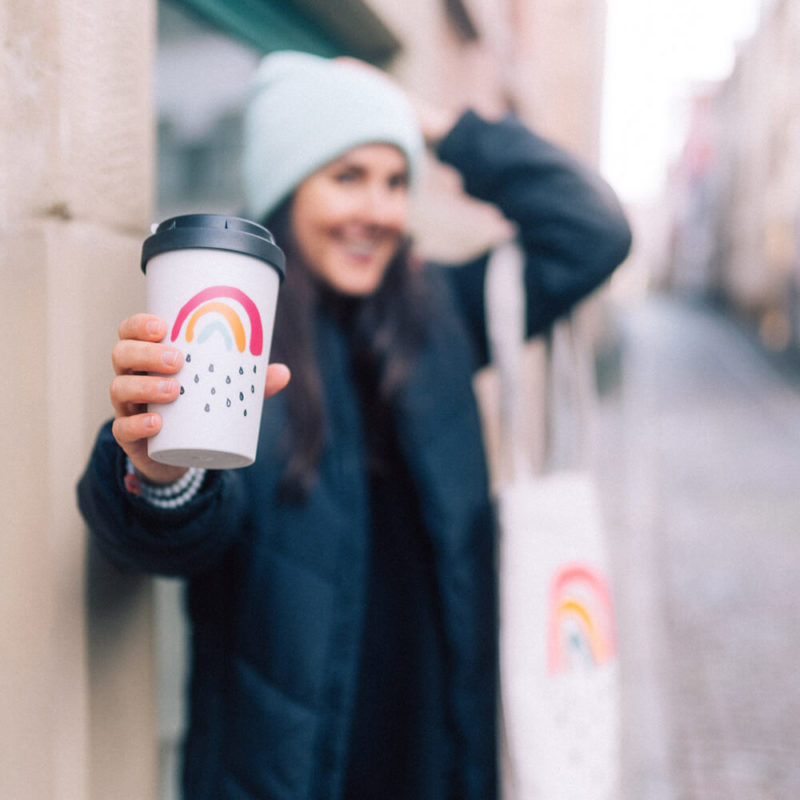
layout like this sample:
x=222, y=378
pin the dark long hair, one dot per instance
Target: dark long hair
x=390, y=323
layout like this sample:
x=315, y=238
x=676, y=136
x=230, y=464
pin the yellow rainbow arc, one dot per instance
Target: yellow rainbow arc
x=596, y=644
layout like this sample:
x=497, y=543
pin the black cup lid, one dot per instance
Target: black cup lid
x=216, y=232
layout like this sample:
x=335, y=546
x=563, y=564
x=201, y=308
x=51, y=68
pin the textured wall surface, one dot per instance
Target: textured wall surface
x=76, y=158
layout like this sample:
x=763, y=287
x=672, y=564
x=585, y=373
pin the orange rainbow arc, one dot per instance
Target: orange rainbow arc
x=230, y=316
x=597, y=645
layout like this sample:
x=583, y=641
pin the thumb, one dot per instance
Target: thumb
x=278, y=376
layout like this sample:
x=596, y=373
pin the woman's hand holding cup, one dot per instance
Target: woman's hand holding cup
x=145, y=370
x=137, y=354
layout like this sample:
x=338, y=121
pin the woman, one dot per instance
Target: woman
x=341, y=590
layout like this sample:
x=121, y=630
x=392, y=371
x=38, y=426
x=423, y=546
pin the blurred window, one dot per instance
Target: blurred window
x=201, y=74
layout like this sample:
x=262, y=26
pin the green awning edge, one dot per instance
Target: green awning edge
x=349, y=27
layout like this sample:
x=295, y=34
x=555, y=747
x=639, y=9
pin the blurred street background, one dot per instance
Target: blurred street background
x=699, y=421
x=699, y=453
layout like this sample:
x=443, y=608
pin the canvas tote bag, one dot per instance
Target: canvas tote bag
x=559, y=717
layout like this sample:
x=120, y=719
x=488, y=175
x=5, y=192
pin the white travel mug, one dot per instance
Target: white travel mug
x=215, y=281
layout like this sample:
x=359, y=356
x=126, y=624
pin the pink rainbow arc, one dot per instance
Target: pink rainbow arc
x=598, y=626
x=214, y=292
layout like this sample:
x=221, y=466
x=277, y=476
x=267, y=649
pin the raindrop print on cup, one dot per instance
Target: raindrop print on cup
x=215, y=280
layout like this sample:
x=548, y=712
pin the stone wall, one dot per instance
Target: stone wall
x=76, y=161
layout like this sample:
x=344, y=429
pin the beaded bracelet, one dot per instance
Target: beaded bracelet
x=169, y=495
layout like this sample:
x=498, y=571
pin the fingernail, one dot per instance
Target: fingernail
x=167, y=386
x=170, y=357
x=150, y=421
x=154, y=327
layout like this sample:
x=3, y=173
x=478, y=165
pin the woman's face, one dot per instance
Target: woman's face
x=349, y=217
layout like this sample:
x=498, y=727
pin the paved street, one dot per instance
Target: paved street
x=700, y=463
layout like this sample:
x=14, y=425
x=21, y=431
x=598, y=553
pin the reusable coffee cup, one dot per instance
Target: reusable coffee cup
x=215, y=281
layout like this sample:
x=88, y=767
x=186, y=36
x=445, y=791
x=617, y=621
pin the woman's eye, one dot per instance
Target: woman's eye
x=398, y=181
x=346, y=176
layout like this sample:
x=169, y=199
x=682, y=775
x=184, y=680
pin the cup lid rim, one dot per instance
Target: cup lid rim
x=217, y=232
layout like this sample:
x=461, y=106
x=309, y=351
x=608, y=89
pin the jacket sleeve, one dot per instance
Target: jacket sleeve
x=135, y=535
x=569, y=222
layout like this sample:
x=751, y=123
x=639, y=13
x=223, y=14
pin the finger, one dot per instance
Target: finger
x=129, y=391
x=278, y=376
x=146, y=327
x=130, y=355
x=129, y=430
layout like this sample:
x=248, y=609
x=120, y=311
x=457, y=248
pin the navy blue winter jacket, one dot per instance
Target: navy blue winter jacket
x=276, y=590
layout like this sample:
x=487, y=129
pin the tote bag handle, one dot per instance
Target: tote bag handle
x=568, y=384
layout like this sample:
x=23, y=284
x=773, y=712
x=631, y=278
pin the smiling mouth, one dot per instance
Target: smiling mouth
x=362, y=248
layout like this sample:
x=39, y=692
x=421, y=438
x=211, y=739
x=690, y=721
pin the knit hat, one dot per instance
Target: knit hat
x=304, y=111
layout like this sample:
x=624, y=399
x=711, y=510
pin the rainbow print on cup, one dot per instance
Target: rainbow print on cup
x=214, y=300
x=215, y=280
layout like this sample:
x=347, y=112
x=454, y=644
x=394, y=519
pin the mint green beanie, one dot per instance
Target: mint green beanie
x=303, y=111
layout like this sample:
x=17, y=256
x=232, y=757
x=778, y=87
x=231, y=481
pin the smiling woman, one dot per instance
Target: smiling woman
x=333, y=186
x=342, y=588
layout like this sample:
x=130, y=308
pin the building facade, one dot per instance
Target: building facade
x=737, y=233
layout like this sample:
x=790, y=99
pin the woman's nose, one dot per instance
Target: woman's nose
x=383, y=206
